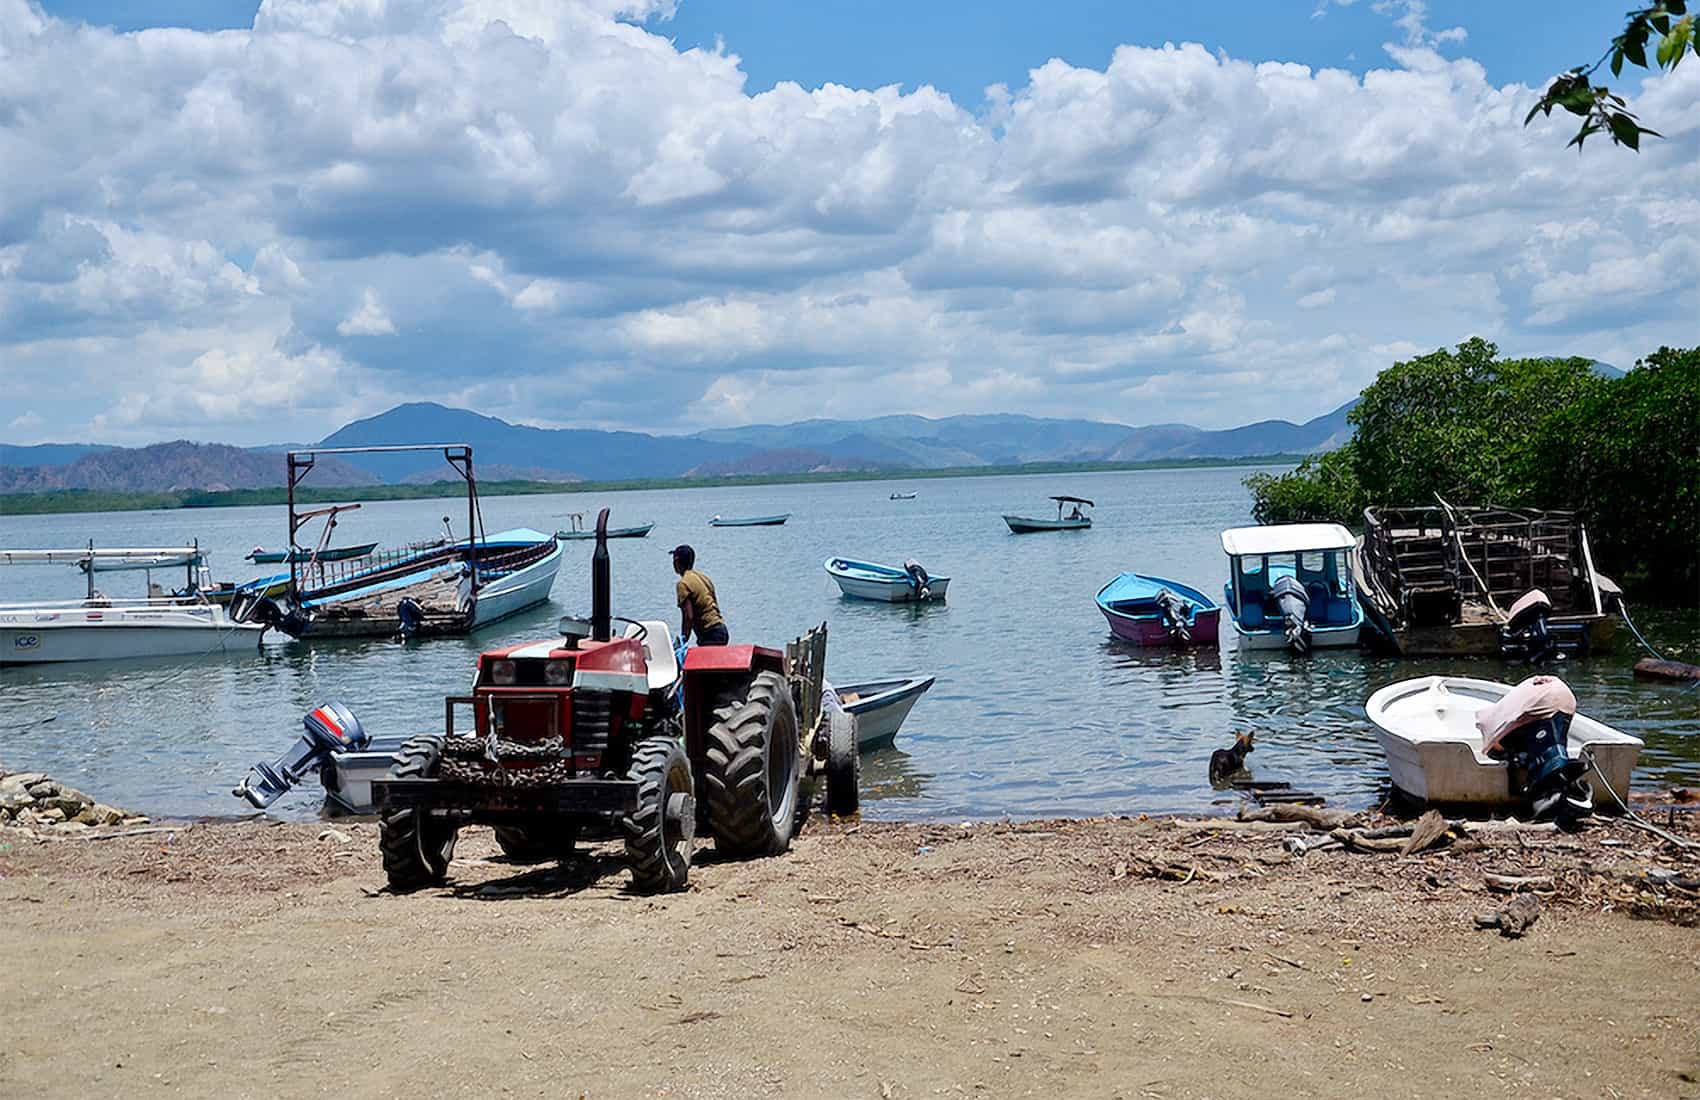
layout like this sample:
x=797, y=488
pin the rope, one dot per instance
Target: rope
x=1634, y=818
x=1623, y=609
x=1465, y=554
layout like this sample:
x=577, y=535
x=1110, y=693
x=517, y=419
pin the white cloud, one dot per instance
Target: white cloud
x=368, y=318
x=638, y=241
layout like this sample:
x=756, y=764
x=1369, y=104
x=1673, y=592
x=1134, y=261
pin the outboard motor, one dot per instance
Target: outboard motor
x=1290, y=596
x=253, y=607
x=1529, y=729
x=1528, y=636
x=1175, y=612
x=330, y=729
x=412, y=616
x=918, y=578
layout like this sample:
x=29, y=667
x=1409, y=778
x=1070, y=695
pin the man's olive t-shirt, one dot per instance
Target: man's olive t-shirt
x=698, y=590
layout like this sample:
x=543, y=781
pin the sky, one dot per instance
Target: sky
x=246, y=223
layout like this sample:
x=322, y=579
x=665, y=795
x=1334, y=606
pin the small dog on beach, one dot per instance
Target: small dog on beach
x=1227, y=763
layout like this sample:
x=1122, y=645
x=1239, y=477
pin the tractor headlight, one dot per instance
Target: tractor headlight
x=558, y=673
x=503, y=672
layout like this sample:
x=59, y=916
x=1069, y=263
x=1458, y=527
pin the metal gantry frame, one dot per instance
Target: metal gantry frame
x=457, y=455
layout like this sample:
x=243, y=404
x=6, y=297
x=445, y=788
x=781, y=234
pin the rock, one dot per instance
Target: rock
x=12, y=801
x=1515, y=919
x=335, y=834
x=43, y=788
x=65, y=804
x=21, y=780
x=52, y=815
x=135, y=820
x=71, y=827
x=99, y=814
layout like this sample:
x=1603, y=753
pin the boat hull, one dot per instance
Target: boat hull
x=617, y=533
x=1482, y=639
x=1148, y=630
x=881, y=706
x=1434, y=750
x=1026, y=525
x=752, y=521
x=1128, y=604
x=121, y=635
x=517, y=591
x=1321, y=637
x=891, y=591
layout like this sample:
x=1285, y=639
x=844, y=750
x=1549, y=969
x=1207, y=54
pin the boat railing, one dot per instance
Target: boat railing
x=324, y=574
x=111, y=603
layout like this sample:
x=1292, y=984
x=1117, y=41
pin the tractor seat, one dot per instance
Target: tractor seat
x=657, y=653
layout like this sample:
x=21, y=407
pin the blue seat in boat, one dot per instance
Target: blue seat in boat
x=1251, y=616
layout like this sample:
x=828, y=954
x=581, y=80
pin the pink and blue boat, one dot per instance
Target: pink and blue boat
x=1148, y=610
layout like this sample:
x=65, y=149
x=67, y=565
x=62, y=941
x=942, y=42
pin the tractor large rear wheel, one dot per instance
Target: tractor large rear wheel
x=661, y=832
x=752, y=769
x=416, y=847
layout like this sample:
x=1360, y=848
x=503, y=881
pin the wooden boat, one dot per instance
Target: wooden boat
x=1440, y=581
x=866, y=580
x=100, y=628
x=429, y=589
x=299, y=554
x=880, y=707
x=1076, y=520
x=1290, y=586
x=904, y=496
x=1148, y=610
x=579, y=533
x=750, y=521
x=1427, y=728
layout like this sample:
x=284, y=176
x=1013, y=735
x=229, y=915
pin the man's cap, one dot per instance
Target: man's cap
x=682, y=548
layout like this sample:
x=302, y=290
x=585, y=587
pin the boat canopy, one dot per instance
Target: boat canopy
x=1074, y=500
x=1290, y=538
x=107, y=561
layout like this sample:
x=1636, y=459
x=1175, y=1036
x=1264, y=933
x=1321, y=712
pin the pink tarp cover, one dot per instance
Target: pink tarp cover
x=1533, y=700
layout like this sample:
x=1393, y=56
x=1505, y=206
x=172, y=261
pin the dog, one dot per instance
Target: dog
x=1226, y=763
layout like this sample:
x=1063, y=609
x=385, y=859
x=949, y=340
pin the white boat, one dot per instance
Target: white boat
x=866, y=580
x=750, y=521
x=1290, y=586
x=1427, y=728
x=99, y=628
x=1076, y=520
x=880, y=706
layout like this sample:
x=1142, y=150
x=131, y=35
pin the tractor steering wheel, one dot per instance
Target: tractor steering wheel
x=642, y=631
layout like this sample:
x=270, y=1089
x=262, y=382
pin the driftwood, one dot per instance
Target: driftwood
x=1515, y=919
x=1314, y=816
x=1650, y=668
x=1511, y=884
x=1228, y=825
x=1429, y=830
x=1359, y=840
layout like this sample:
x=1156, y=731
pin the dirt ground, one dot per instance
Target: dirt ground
x=1121, y=958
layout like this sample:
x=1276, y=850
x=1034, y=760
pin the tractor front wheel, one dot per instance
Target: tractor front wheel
x=662, y=830
x=752, y=769
x=416, y=847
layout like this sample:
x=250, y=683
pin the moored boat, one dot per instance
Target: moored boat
x=100, y=628
x=868, y=580
x=1290, y=586
x=1147, y=610
x=578, y=532
x=880, y=707
x=904, y=496
x=750, y=521
x=300, y=554
x=1075, y=520
x=1428, y=727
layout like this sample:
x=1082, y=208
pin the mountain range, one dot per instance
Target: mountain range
x=515, y=451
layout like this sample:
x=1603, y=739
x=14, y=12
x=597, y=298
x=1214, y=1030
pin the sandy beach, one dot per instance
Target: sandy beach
x=1100, y=958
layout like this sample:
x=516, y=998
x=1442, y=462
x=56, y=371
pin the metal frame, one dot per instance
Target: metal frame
x=457, y=455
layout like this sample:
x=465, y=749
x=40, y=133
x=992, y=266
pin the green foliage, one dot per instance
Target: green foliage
x=1323, y=489
x=1598, y=108
x=1627, y=456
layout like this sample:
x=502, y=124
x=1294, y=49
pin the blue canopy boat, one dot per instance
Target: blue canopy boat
x=1290, y=585
x=1150, y=610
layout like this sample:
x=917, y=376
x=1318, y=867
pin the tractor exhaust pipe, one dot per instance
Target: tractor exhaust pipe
x=601, y=587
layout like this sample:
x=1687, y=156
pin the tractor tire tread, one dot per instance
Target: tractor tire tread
x=741, y=810
x=416, y=850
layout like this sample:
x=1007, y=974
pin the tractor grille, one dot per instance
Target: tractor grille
x=593, y=713
x=528, y=718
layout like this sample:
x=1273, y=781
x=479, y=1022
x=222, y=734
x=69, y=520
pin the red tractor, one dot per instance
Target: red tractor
x=602, y=731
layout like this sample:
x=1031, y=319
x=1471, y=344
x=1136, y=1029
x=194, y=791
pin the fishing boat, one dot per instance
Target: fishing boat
x=866, y=580
x=880, y=707
x=1428, y=727
x=578, y=533
x=1445, y=581
x=429, y=589
x=750, y=521
x=1290, y=586
x=334, y=553
x=1148, y=610
x=1076, y=520
x=904, y=496
x=100, y=628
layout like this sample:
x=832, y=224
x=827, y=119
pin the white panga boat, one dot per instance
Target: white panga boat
x=1427, y=727
x=866, y=580
x=880, y=706
x=99, y=628
x=1290, y=586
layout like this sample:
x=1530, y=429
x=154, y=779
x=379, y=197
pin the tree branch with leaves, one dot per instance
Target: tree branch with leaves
x=1597, y=106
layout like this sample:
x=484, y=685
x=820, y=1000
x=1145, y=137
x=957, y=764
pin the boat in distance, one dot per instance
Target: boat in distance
x=100, y=628
x=1076, y=520
x=866, y=580
x=1290, y=586
x=750, y=521
x=300, y=554
x=904, y=496
x=1147, y=610
x=1427, y=728
x=638, y=532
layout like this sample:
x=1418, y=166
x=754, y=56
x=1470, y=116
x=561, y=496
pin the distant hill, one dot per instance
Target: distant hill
x=45, y=454
x=168, y=466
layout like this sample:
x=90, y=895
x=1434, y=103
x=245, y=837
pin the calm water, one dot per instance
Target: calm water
x=1036, y=711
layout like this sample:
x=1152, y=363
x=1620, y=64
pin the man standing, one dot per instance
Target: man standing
x=698, y=609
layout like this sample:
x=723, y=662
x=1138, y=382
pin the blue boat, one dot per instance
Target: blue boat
x=1290, y=586
x=1148, y=610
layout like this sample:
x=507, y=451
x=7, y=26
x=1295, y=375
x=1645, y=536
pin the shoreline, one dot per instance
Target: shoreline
x=1098, y=957
x=91, y=501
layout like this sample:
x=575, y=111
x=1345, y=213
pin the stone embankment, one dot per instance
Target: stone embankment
x=32, y=800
